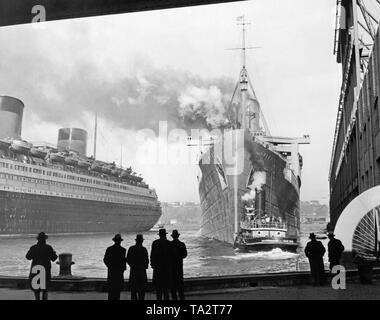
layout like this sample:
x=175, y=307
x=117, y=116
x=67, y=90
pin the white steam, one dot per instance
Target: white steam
x=249, y=196
x=259, y=179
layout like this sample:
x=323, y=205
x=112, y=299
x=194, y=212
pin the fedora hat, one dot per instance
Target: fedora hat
x=42, y=236
x=162, y=232
x=312, y=236
x=117, y=238
x=139, y=237
x=175, y=233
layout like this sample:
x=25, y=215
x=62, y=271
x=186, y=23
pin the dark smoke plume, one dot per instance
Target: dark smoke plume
x=135, y=101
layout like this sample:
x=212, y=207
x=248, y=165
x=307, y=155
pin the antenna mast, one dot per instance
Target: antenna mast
x=243, y=48
x=121, y=156
x=95, y=133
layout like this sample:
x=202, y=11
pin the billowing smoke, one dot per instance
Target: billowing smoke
x=258, y=181
x=137, y=100
x=209, y=104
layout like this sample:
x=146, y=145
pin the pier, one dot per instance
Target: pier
x=294, y=285
x=198, y=284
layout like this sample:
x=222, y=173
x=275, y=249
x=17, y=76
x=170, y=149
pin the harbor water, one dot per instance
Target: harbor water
x=205, y=257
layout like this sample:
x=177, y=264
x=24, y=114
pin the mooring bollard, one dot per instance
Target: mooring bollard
x=65, y=262
x=365, y=273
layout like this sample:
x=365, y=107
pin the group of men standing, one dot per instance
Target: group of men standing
x=315, y=251
x=166, y=259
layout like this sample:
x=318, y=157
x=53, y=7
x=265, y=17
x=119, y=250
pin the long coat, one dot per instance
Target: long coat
x=179, y=252
x=336, y=249
x=138, y=261
x=314, y=251
x=42, y=254
x=161, y=262
x=115, y=261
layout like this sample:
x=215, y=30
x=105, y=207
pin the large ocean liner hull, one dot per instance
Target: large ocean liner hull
x=22, y=213
x=62, y=190
x=254, y=204
x=216, y=190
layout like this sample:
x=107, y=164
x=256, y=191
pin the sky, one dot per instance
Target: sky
x=137, y=69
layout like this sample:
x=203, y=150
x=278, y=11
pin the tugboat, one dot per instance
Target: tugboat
x=261, y=231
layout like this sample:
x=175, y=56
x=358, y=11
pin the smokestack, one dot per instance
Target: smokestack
x=72, y=139
x=260, y=201
x=11, y=112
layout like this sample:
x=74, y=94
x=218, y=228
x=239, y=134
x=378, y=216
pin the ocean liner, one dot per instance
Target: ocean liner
x=61, y=190
x=257, y=207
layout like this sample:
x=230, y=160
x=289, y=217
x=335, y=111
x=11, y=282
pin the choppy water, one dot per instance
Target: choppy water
x=205, y=257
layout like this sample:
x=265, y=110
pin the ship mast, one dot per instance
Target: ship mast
x=242, y=118
x=243, y=78
x=95, y=133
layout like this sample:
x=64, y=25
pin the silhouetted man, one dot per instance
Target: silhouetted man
x=137, y=258
x=314, y=251
x=115, y=261
x=160, y=260
x=41, y=254
x=335, y=250
x=179, y=253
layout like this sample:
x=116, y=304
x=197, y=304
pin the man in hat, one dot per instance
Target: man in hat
x=115, y=261
x=41, y=254
x=137, y=258
x=161, y=262
x=335, y=250
x=315, y=251
x=179, y=253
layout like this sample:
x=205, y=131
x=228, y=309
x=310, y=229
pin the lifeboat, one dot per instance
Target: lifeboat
x=124, y=174
x=96, y=166
x=38, y=152
x=57, y=157
x=84, y=163
x=21, y=146
x=116, y=172
x=72, y=159
x=138, y=179
x=5, y=143
x=106, y=169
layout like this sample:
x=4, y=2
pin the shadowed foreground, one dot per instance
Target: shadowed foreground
x=354, y=291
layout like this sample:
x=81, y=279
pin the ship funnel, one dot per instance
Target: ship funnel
x=72, y=139
x=260, y=201
x=11, y=111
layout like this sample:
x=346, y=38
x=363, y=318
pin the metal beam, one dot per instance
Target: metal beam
x=13, y=12
x=365, y=28
x=368, y=22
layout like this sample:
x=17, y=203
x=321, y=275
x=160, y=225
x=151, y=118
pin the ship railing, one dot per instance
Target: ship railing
x=89, y=173
x=258, y=225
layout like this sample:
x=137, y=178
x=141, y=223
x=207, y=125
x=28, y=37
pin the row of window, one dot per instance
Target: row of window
x=62, y=176
x=62, y=185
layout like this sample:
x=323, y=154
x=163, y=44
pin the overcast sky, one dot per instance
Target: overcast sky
x=136, y=69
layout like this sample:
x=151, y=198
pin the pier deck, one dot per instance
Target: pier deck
x=296, y=285
x=354, y=291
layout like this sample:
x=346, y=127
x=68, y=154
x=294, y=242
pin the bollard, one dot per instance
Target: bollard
x=365, y=273
x=65, y=262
